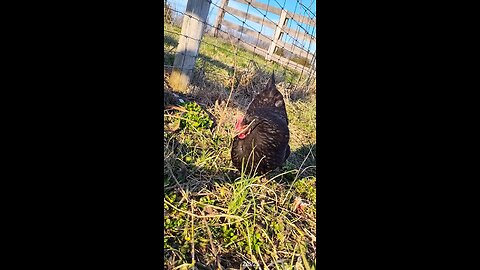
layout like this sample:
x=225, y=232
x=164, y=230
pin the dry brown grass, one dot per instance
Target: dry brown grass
x=215, y=218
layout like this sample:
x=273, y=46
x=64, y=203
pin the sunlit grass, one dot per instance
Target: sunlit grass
x=216, y=217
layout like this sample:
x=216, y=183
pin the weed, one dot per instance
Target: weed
x=214, y=216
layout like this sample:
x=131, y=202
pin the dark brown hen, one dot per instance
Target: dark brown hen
x=263, y=129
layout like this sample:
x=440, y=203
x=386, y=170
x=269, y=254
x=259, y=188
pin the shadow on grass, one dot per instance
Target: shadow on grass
x=304, y=159
x=198, y=181
x=207, y=92
x=191, y=165
x=216, y=63
x=302, y=163
x=169, y=57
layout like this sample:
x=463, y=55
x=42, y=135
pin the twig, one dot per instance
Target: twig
x=207, y=216
x=172, y=107
x=220, y=122
x=193, y=238
x=233, y=81
x=213, y=206
x=184, y=195
x=214, y=250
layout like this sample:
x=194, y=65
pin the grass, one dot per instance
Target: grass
x=214, y=216
x=216, y=59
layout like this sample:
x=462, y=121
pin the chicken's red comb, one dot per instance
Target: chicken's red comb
x=238, y=124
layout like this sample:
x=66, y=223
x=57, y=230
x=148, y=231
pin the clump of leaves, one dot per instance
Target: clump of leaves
x=270, y=232
x=306, y=187
x=189, y=117
x=195, y=117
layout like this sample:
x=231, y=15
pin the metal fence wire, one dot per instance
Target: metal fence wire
x=275, y=35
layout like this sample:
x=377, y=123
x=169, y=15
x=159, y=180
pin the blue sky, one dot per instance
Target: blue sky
x=290, y=5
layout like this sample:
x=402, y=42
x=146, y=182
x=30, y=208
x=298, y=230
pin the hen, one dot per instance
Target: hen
x=263, y=130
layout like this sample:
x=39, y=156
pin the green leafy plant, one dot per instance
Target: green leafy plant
x=195, y=117
x=213, y=215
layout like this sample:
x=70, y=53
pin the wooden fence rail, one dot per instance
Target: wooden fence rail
x=195, y=20
x=280, y=29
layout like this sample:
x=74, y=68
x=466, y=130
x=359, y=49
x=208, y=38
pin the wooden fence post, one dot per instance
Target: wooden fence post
x=219, y=19
x=193, y=24
x=277, y=35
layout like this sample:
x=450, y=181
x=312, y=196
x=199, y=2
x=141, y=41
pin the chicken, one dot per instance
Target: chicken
x=263, y=129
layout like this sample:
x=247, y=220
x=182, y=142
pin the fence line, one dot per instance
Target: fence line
x=279, y=27
x=195, y=22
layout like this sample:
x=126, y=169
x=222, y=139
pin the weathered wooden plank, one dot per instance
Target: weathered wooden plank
x=295, y=49
x=189, y=43
x=276, y=58
x=260, y=5
x=247, y=31
x=250, y=17
x=219, y=18
x=299, y=34
x=278, y=11
x=286, y=62
x=278, y=33
x=253, y=34
x=244, y=44
x=281, y=60
x=302, y=19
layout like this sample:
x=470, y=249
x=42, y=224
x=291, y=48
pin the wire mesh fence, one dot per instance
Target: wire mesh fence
x=213, y=39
